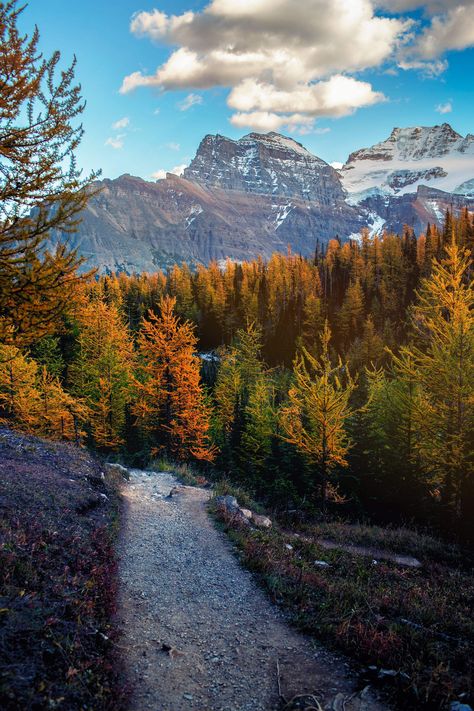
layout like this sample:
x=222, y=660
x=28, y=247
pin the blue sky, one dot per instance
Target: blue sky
x=375, y=70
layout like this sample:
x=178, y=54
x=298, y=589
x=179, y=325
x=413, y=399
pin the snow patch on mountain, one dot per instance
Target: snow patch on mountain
x=436, y=156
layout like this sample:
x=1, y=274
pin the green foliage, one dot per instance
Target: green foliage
x=318, y=408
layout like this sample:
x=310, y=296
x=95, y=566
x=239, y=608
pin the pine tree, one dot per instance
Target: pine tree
x=443, y=354
x=102, y=371
x=19, y=398
x=318, y=408
x=39, y=192
x=259, y=429
x=351, y=315
x=58, y=414
x=170, y=402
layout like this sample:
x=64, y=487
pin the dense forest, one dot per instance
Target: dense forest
x=342, y=384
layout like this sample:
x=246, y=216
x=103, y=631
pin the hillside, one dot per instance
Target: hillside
x=57, y=577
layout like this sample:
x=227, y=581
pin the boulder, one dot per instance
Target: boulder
x=261, y=521
x=246, y=513
x=115, y=468
x=227, y=503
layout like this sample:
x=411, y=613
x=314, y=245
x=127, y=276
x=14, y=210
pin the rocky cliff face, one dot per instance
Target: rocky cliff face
x=267, y=164
x=255, y=196
x=237, y=199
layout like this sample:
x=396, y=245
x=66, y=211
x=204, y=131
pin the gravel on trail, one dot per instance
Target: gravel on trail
x=197, y=631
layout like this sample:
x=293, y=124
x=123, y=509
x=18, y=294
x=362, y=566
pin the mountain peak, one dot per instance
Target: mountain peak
x=436, y=156
x=265, y=164
x=278, y=140
x=412, y=143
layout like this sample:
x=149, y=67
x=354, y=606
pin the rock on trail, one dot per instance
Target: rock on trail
x=198, y=633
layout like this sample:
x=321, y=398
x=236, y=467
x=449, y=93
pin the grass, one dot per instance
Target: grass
x=224, y=487
x=185, y=473
x=417, y=622
x=401, y=540
x=58, y=578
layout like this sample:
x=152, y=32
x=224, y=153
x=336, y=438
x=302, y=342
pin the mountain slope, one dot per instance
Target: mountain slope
x=237, y=199
x=257, y=195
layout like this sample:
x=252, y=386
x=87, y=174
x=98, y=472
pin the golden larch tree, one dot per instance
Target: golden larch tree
x=102, y=371
x=318, y=408
x=41, y=190
x=170, y=402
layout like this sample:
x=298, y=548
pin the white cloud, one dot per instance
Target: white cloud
x=339, y=96
x=451, y=30
x=267, y=121
x=121, y=123
x=157, y=111
x=287, y=63
x=115, y=142
x=178, y=169
x=337, y=165
x=444, y=108
x=431, y=70
x=321, y=131
x=291, y=52
x=189, y=101
x=451, y=27
x=173, y=146
x=161, y=174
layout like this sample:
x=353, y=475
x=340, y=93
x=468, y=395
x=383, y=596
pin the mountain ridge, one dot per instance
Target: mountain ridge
x=264, y=192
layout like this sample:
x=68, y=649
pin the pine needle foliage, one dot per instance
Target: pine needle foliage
x=318, y=408
x=41, y=189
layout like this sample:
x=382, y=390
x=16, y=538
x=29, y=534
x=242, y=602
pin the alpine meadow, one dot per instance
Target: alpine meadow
x=237, y=394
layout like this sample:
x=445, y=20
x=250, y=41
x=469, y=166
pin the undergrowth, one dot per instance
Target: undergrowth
x=58, y=579
x=416, y=622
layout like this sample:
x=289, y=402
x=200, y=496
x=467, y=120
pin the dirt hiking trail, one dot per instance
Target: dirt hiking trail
x=198, y=633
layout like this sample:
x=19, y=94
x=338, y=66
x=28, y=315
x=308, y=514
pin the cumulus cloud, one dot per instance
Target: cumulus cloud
x=451, y=30
x=337, y=165
x=161, y=174
x=450, y=27
x=444, y=108
x=338, y=96
x=121, y=123
x=269, y=46
x=115, y=142
x=173, y=146
x=287, y=63
x=190, y=101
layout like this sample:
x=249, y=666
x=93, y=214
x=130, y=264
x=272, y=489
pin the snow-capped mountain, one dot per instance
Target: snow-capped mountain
x=257, y=195
x=264, y=164
x=434, y=156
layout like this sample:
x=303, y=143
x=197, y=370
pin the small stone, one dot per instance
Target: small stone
x=188, y=697
x=322, y=563
x=288, y=547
